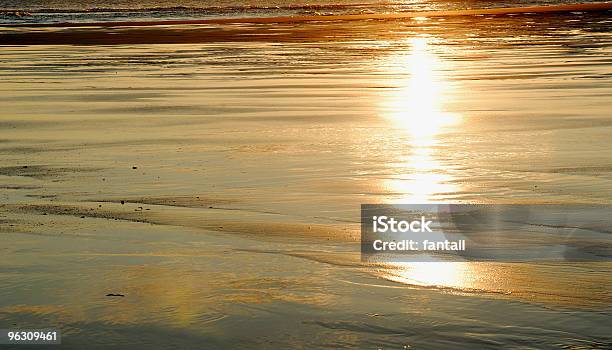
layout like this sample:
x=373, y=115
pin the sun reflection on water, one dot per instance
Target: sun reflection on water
x=416, y=110
x=446, y=274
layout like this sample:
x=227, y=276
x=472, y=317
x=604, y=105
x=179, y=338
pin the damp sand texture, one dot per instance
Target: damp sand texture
x=199, y=184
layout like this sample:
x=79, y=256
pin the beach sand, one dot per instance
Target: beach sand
x=212, y=174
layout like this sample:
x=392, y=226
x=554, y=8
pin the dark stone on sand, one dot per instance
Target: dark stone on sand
x=122, y=202
x=134, y=167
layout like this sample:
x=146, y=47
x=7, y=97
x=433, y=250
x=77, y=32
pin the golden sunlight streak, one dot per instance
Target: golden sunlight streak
x=416, y=110
x=428, y=274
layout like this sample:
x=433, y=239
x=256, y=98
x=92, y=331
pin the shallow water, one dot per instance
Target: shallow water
x=242, y=157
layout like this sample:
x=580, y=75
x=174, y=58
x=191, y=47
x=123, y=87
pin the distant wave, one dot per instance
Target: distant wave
x=201, y=9
x=348, y=17
x=320, y=9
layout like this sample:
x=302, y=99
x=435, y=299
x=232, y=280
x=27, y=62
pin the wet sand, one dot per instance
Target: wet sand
x=216, y=184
